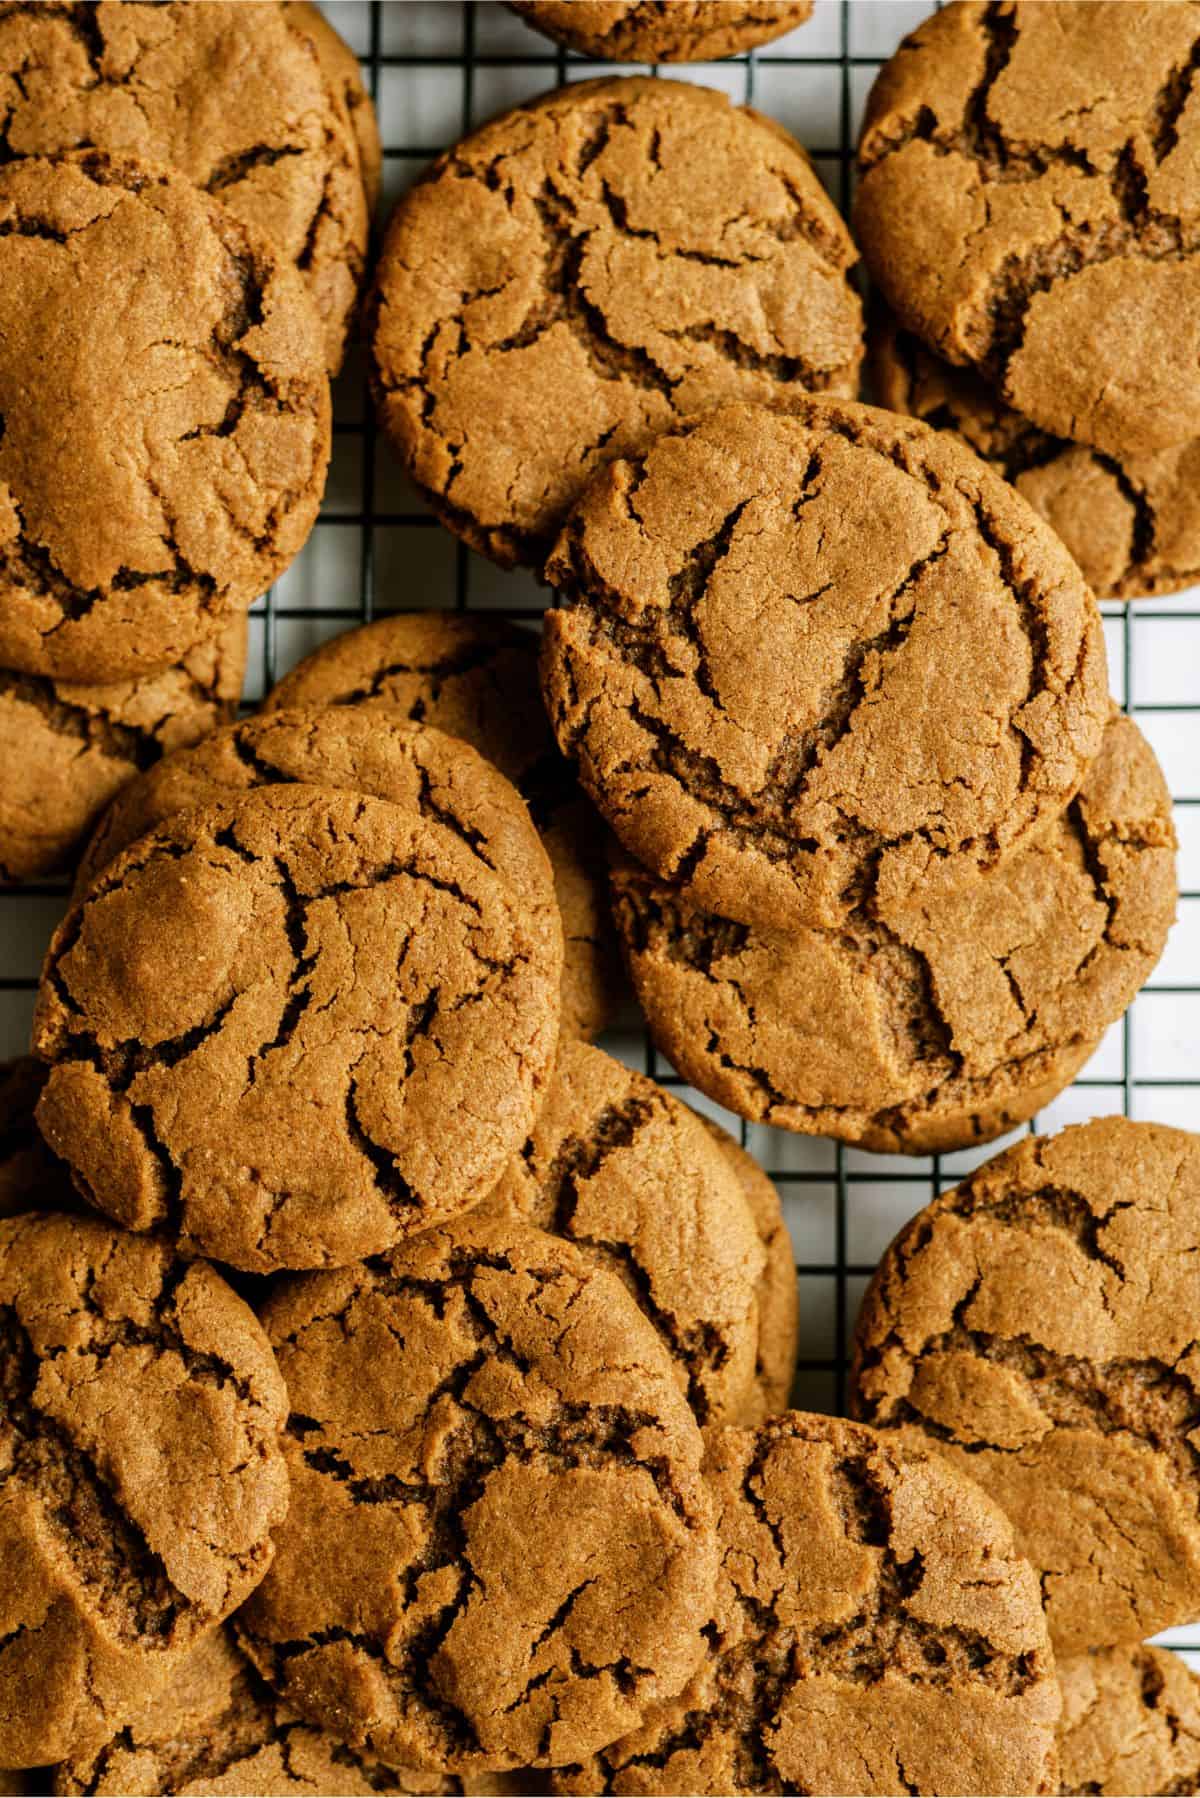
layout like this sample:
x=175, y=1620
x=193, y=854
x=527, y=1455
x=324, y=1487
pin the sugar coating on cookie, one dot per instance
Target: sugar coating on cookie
x=1036, y=1326
x=476, y=678
x=1028, y=205
x=217, y=1727
x=175, y=464
x=1130, y=1723
x=1131, y=522
x=585, y=272
x=31, y=1177
x=499, y=1545
x=629, y=1175
x=68, y=748
x=227, y=95
x=293, y=1029
x=649, y=31
x=140, y=1438
x=809, y=659
x=876, y=1632
x=932, y=1024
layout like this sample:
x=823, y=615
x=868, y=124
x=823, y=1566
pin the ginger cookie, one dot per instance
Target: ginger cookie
x=31, y=1177
x=778, y=1293
x=807, y=660
x=174, y=465
x=140, y=1419
x=293, y=1029
x=341, y=69
x=648, y=31
x=217, y=1727
x=68, y=748
x=476, y=678
x=1036, y=1325
x=587, y=271
x=228, y=95
x=629, y=1175
x=499, y=1547
x=377, y=752
x=1132, y=523
x=1130, y=1723
x=876, y=1632
x=931, y=1024
x=1028, y=206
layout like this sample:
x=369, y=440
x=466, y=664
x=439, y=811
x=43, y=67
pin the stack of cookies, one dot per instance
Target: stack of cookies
x=394, y=1385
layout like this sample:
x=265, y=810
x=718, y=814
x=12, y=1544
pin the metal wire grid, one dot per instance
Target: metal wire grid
x=376, y=549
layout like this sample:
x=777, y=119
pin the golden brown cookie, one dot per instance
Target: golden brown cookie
x=228, y=95
x=1132, y=523
x=1029, y=207
x=1130, y=1723
x=628, y=1174
x=31, y=1177
x=585, y=272
x=343, y=74
x=293, y=1029
x=876, y=1632
x=174, y=464
x=663, y=30
x=778, y=1293
x=67, y=748
x=140, y=1419
x=476, y=678
x=216, y=1727
x=809, y=660
x=932, y=1024
x=1037, y=1326
x=499, y=1546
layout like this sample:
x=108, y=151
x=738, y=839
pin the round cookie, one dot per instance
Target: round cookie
x=778, y=1293
x=68, y=748
x=343, y=73
x=499, y=1545
x=1028, y=206
x=31, y=1178
x=589, y=270
x=476, y=678
x=628, y=1174
x=876, y=1632
x=935, y=1023
x=1037, y=1326
x=140, y=1419
x=292, y=1029
x=808, y=660
x=1132, y=524
x=174, y=465
x=248, y=109
x=647, y=31
x=1131, y=1722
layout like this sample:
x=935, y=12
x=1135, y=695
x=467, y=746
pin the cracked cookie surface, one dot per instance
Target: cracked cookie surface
x=663, y=30
x=1131, y=522
x=499, y=1544
x=68, y=748
x=586, y=271
x=228, y=95
x=936, y=1023
x=293, y=1029
x=343, y=72
x=809, y=659
x=476, y=678
x=174, y=465
x=1130, y=1723
x=1029, y=207
x=140, y=1473
x=625, y=1172
x=32, y=1178
x=1036, y=1326
x=876, y=1631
